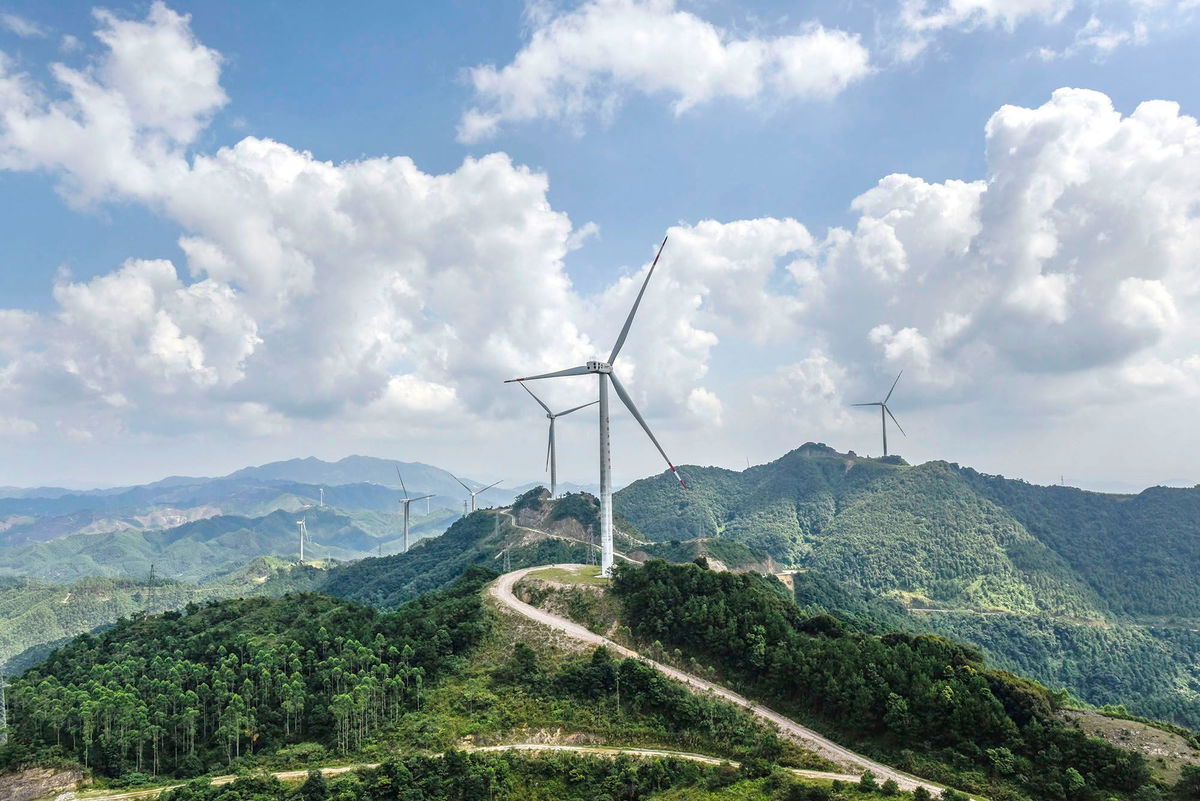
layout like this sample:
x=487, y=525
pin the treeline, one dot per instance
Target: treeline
x=182, y=693
x=928, y=702
x=458, y=776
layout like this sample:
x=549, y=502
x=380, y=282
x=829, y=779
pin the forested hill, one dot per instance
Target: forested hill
x=930, y=705
x=480, y=538
x=182, y=693
x=1092, y=592
x=944, y=535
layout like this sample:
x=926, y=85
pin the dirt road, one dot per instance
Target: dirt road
x=502, y=591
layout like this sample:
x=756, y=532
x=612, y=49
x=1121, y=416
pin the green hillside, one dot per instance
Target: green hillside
x=930, y=705
x=205, y=550
x=1083, y=590
x=37, y=616
x=477, y=539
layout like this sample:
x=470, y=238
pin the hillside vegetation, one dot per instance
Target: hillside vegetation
x=931, y=705
x=477, y=539
x=37, y=616
x=1087, y=591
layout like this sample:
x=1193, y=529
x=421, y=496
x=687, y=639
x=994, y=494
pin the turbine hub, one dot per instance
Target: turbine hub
x=599, y=367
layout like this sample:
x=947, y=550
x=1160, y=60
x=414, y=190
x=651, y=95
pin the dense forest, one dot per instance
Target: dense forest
x=930, y=704
x=186, y=691
x=1082, y=590
x=38, y=616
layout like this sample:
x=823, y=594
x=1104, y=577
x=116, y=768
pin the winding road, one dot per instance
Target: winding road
x=502, y=591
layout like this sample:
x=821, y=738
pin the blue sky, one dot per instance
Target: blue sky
x=395, y=80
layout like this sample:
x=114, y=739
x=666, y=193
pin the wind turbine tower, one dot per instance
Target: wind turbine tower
x=303, y=536
x=322, y=497
x=406, y=502
x=605, y=375
x=473, y=493
x=551, y=452
x=885, y=412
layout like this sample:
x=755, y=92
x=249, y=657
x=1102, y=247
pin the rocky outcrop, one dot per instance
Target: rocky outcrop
x=34, y=783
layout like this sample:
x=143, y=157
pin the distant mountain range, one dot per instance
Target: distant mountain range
x=356, y=482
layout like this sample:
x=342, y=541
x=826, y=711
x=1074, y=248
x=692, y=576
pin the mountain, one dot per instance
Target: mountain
x=419, y=478
x=205, y=550
x=353, y=483
x=1083, y=590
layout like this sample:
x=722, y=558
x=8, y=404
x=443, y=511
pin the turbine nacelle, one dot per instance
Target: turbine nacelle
x=599, y=367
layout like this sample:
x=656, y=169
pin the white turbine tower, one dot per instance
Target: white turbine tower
x=605, y=374
x=885, y=412
x=406, y=502
x=473, y=492
x=551, y=452
x=303, y=536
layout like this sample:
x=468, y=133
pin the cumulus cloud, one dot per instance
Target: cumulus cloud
x=375, y=293
x=1075, y=254
x=127, y=117
x=584, y=61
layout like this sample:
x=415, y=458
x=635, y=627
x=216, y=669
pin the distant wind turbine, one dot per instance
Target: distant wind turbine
x=605, y=374
x=303, y=536
x=551, y=452
x=885, y=412
x=473, y=492
x=406, y=502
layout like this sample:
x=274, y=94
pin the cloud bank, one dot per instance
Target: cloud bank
x=372, y=292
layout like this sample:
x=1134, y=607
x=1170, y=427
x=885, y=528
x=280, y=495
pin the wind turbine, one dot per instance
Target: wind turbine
x=885, y=412
x=303, y=536
x=473, y=492
x=605, y=374
x=406, y=502
x=551, y=453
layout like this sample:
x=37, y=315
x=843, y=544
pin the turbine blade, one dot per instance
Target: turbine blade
x=577, y=408
x=876, y=403
x=536, y=398
x=894, y=420
x=421, y=498
x=629, y=320
x=549, y=443
x=628, y=401
x=488, y=487
x=459, y=480
x=893, y=389
x=581, y=370
x=402, y=487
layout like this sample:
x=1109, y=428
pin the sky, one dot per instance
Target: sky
x=239, y=232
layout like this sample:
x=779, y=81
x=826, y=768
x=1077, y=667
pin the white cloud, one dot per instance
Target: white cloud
x=382, y=297
x=23, y=27
x=583, y=62
x=16, y=427
x=123, y=129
